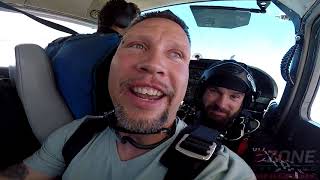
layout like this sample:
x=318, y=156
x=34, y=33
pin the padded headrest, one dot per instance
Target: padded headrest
x=34, y=79
x=266, y=86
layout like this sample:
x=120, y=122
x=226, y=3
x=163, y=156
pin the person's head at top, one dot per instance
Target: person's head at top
x=149, y=72
x=116, y=15
x=226, y=88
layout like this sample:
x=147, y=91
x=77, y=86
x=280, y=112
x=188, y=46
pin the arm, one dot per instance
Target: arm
x=45, y=164
x=22, y=172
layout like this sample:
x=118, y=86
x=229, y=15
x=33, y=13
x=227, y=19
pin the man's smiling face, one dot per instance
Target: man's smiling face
x=222, y=105
x=149, y=74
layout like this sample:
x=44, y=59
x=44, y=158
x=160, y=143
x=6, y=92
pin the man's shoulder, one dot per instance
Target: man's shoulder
x=232, y=157
x=227, y=165
x=68, y=129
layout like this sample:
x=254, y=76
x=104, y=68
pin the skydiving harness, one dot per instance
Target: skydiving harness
x=237, y=131
x=241, y=126
x=237, y=136
x=192, y=150
x=243, y=129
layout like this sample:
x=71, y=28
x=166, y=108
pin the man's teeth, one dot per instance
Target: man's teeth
x=147, y=91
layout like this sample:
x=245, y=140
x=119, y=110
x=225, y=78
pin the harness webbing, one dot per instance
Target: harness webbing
x=82, y=136
x=183, y=166
x=193, y=149
x=38, y=19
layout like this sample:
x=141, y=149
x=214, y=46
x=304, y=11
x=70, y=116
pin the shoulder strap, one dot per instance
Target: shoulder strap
x=81, y=137
x=193, y=149
x=40, y=20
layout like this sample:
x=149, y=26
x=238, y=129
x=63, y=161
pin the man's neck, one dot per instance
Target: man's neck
x=127, y=151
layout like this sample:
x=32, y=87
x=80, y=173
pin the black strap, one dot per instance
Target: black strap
x=40, y=20
x=93, y=125
x=287, y=60
x=169, y=131
x=181, y=166
x=82, y=136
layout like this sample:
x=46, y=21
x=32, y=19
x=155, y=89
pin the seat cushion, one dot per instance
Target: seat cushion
x=44, y=106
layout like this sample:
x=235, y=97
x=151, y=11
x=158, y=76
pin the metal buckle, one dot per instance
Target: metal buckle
x=195, y=155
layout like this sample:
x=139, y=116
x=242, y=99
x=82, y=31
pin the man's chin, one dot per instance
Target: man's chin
x=144, y=114
x=141, y=121
x=217, y=116
x=220, y=121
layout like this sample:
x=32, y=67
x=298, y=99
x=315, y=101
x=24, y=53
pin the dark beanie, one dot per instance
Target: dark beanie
x=228, y=81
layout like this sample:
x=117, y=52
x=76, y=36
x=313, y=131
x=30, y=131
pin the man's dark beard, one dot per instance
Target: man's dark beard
x=208, y=121
x=140, y=125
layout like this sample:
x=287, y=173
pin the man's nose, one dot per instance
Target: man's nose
x=153, y=63
x=222, y=101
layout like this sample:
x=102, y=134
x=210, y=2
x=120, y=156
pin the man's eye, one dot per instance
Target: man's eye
x=138, y=46
x=176, y=55
x=212, y=90
x=235, y=97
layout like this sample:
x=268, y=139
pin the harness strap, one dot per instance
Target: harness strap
x=38, y=19
x=193, y=149
x=81, y=137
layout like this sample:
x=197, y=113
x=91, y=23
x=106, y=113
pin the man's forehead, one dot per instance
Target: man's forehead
x=152, y=25
x=154, y=21
x=231, y=91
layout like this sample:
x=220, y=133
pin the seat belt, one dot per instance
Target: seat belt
x=40, y=20
x=191, y=152
x=193, y=149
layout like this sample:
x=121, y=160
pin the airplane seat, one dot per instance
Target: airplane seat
x=267, y=90
x=35, y=84
x=270, y=117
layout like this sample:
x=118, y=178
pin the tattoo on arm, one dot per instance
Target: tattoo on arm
x=15, y=172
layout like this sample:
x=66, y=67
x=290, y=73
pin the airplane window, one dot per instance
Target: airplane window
x=261, y=43
x=17, y=29
x=257, y=43
x=315, y=113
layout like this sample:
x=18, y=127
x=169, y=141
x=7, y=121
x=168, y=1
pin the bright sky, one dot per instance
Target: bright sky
x=262, y=43
x=18, y=29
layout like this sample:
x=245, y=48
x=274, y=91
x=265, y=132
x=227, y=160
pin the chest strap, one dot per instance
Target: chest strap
x=193, y=149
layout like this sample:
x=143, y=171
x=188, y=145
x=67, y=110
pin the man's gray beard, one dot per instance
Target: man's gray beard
x=140, y=125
